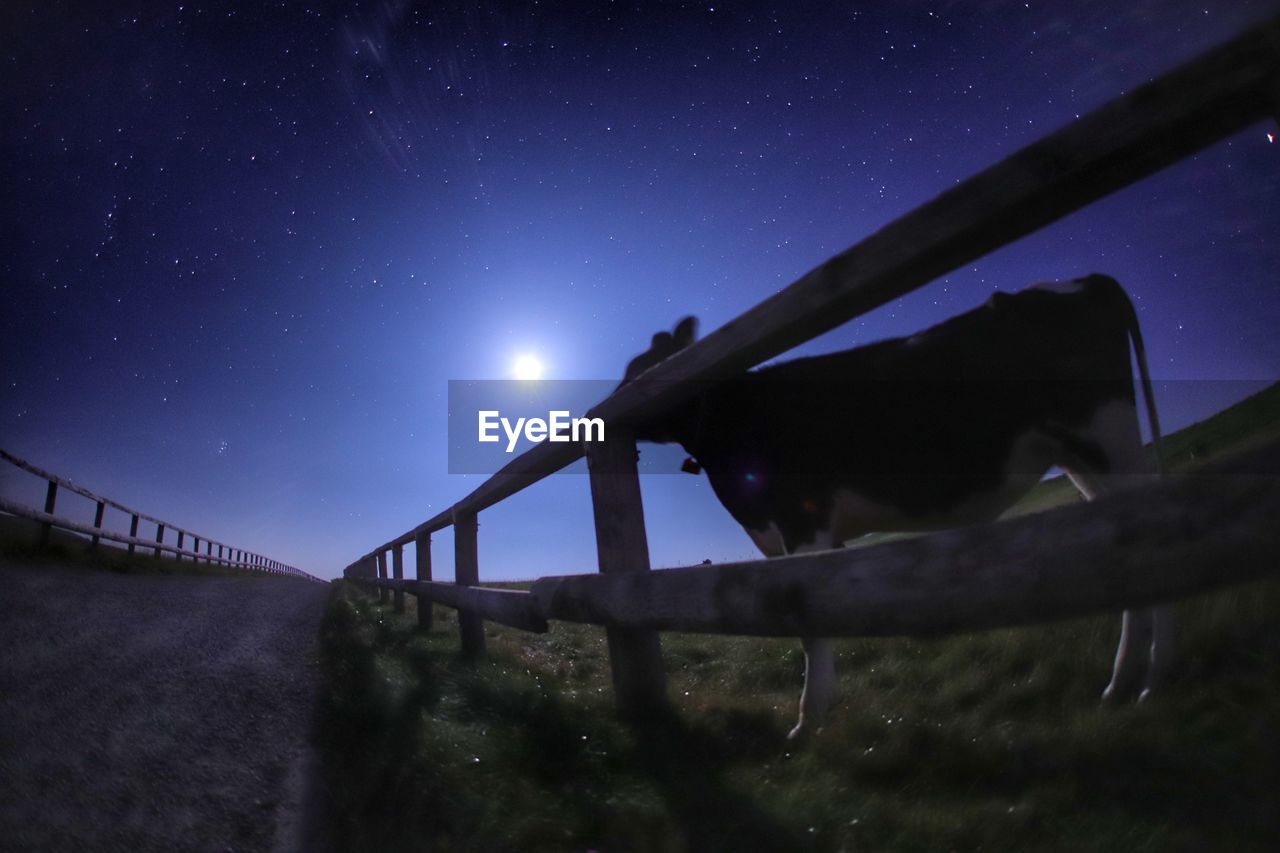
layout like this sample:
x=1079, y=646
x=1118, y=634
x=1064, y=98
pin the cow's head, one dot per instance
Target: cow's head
x=663, y=346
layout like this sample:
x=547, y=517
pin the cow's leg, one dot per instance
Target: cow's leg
x=1135, y=625
x=1135, y=640
x=819, y=685
x=1146, y=634
x=819, y=664
x=819, y=660
x=1162, y=648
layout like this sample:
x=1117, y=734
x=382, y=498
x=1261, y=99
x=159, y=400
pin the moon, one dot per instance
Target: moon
x=527, y=366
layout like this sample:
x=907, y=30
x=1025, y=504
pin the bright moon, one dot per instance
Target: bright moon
x=527, y=367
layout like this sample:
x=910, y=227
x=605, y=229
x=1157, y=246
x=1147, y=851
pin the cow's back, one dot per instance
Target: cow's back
x=920, y=424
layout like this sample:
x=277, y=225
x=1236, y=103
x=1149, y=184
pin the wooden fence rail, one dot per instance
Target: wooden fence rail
x=1185, y=535
x=1197, y=104
x=226, y=555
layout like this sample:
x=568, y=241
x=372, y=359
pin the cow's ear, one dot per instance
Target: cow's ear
x=686, y=331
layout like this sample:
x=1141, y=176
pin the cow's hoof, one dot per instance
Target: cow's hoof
x=799, y=734
x=1114, y=695
x=1119, y=691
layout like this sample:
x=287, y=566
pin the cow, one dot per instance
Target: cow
x=947, y=427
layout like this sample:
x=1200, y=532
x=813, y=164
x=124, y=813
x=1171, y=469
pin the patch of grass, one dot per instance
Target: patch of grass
x=993, y=740
x=987, y=741
x=1236, y=429
x=518, y=751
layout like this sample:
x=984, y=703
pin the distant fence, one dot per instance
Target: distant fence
x=1155, y=544
x=237, y=558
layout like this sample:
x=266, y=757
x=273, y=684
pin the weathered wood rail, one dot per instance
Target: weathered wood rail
x=1167, y=541
x=1186, y=535
x=237, y=558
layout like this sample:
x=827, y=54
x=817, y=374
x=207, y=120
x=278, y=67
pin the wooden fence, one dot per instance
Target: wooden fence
x=236, y=558
x=1163, y=542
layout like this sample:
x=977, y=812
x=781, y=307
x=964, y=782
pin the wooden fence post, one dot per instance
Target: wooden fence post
x=422, y=542
x=382, y=575
x=50, y=496
x=635, y=656
x=159, y=537
x=133, y=531
x=178, y=554
x=97, y=521
x=397, y=570
x=466, y=572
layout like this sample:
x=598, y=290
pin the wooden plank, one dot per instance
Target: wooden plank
x=1189, y=534
x=14, y=508
x=54, y=478
x=50, y=498
x=97, y=522
x=422, y=546
x=516, y=608
x=382, y=575
x=1129, y=138
x=1193, y=106
x=466, y=572
x=397, y=571
x=635, y=654
x=539, y=461
x=64, y=483
x=96, y=531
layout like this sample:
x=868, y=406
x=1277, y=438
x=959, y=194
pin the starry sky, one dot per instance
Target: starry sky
x=245, y=246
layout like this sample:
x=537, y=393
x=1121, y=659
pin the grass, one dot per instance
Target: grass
x=992, y=740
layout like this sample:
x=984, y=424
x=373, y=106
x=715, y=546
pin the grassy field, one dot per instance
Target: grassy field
x=991, y=741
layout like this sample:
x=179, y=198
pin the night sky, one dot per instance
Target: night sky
x=245, y=249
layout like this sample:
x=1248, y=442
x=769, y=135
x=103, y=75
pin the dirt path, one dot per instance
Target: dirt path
x=154, y=712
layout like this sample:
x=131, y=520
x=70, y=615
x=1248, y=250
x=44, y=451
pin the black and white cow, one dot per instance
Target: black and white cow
x=947, y=427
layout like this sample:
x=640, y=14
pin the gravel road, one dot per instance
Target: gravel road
x=156, y=712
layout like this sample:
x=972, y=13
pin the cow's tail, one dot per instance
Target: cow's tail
x=1144, y=376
